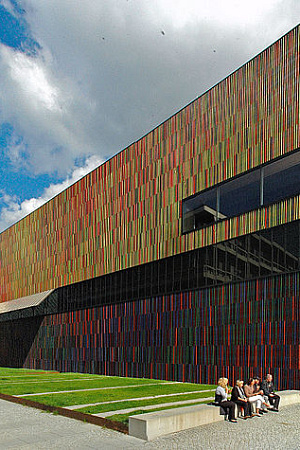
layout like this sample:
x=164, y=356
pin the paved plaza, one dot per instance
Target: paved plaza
x=27, y=428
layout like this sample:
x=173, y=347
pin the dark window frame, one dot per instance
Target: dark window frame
x=206, y=212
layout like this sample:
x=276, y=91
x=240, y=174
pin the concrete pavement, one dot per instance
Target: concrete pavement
x=30, y=429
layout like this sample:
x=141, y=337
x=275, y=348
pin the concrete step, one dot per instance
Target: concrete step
x=152, y=425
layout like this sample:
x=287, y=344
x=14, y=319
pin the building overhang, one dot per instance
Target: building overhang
x=22, y=307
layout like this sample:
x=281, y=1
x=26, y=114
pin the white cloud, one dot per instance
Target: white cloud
x=14, y=210
x=230, y=12
x=46, y=111
x=30, y=76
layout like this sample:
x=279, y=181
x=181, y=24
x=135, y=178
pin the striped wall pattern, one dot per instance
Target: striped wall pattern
x=235, y=330
x=128, y=211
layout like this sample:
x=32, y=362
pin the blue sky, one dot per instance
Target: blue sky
x=79, y=81
x=14, y=33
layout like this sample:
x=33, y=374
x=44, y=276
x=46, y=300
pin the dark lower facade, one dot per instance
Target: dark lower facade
x=227, y=310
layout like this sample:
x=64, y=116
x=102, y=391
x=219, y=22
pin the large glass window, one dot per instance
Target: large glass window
x=240, y=195
x=260, y=187
x=260, y=254
x=281, y=179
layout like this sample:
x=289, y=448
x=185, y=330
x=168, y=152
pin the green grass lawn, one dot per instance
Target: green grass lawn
x=126, y=404
x=124, y=395
x=80, y=398
x=25, y=386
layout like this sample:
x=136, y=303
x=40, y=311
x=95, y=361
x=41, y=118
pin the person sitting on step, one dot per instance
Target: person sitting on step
x=258, y=390
x=268, y=389
x=238, y=396
x=254, y=397
x=221, y=398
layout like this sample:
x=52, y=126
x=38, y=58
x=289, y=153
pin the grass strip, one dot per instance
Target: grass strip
x=48, y=388
x=8, y=381
x=138, y=403
x=124, y=418
x=81, y=398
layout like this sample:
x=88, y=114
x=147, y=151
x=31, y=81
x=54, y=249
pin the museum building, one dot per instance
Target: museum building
x=179, y=257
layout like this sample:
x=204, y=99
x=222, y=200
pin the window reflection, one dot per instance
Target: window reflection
x=200, y=211
x=240, y=195
x=282, y=179
x=264, y=253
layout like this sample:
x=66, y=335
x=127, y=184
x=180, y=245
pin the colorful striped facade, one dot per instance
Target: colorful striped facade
x=236, y=330
x=127, y=214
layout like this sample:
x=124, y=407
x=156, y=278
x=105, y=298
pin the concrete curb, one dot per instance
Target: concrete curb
x=152, y=425
x=95, y=420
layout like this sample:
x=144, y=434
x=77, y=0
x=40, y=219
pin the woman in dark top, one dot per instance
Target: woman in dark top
x=238, y=396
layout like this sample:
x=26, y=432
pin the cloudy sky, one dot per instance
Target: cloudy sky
x=81, y=80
